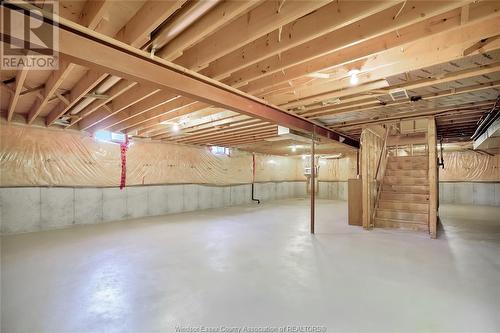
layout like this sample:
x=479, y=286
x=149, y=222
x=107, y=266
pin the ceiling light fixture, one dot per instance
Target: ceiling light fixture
x=175, y=127
x=353, y=76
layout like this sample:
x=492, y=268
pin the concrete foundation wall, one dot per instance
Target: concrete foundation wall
x=468, y=193
x=25, y=209
x=333, y=190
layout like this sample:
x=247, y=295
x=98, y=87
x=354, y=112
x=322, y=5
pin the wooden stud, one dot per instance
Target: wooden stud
x=20, y=78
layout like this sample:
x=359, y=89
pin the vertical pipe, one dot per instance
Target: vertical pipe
x=253, y=179
x=313, y=181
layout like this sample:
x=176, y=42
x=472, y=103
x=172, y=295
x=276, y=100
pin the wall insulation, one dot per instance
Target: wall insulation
x=44, y=157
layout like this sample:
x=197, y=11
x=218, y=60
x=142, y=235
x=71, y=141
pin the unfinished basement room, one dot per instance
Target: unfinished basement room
x=250, y=166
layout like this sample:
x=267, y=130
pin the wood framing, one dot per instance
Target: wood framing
x=433, y=177
x=82, y=46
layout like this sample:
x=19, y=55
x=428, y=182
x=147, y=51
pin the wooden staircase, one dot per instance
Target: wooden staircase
x=404, y=197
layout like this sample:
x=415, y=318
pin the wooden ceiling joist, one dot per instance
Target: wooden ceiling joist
x=96, y=52
x=55, y=80
x=328, y=18
x=216, y=18
x=372, y=27
x=20, y=78
x=424, y=52
x=259, y=21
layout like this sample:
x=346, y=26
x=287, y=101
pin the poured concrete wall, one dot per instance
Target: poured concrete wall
x=25, y=209
x=334, y=190
x=468, y=193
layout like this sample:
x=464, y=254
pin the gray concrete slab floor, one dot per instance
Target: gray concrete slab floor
x=257, y=266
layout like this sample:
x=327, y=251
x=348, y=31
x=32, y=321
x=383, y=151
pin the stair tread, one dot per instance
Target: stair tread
x=399, y=211
x=400, y=221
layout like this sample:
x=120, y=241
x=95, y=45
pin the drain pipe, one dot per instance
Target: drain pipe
x=253, y=179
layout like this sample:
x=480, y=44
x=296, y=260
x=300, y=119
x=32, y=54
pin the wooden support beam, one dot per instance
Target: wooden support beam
x=204, y=26
x=433, y=177
x=118, y=104
x=187, y=108
x=20, y=78
x=51, y=86
x=212, y=123
x=117, y=90
x=83, y=87
x=356, y=32
x=86, y=48
x=167, y=108
x=232, y=137
x=156, y=101
x=467, y=107
x=257, y=22
x=374, y=104
x=242, y=127
x=93, y=12
x=424, y=52
x=326, y=19
x=137, y=31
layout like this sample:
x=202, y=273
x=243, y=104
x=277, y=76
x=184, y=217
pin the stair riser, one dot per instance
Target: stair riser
x=390, y=180
x=407, y=173
x=405, y=206
x=402, y=226
x=418, y=189
x=416, y=198
x=409, y=159
x=406, y=216
x=407, y=166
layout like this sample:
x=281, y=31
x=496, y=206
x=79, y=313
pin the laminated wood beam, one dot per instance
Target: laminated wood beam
x=16, y=93
x=97, y=52
x=319, y=22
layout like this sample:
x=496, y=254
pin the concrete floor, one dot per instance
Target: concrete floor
x=258, y=266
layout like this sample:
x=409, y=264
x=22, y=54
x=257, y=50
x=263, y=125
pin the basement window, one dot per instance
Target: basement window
x=218, y=150
x=108, y=136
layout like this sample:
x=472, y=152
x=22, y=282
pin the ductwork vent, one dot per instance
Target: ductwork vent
x=398, y=94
